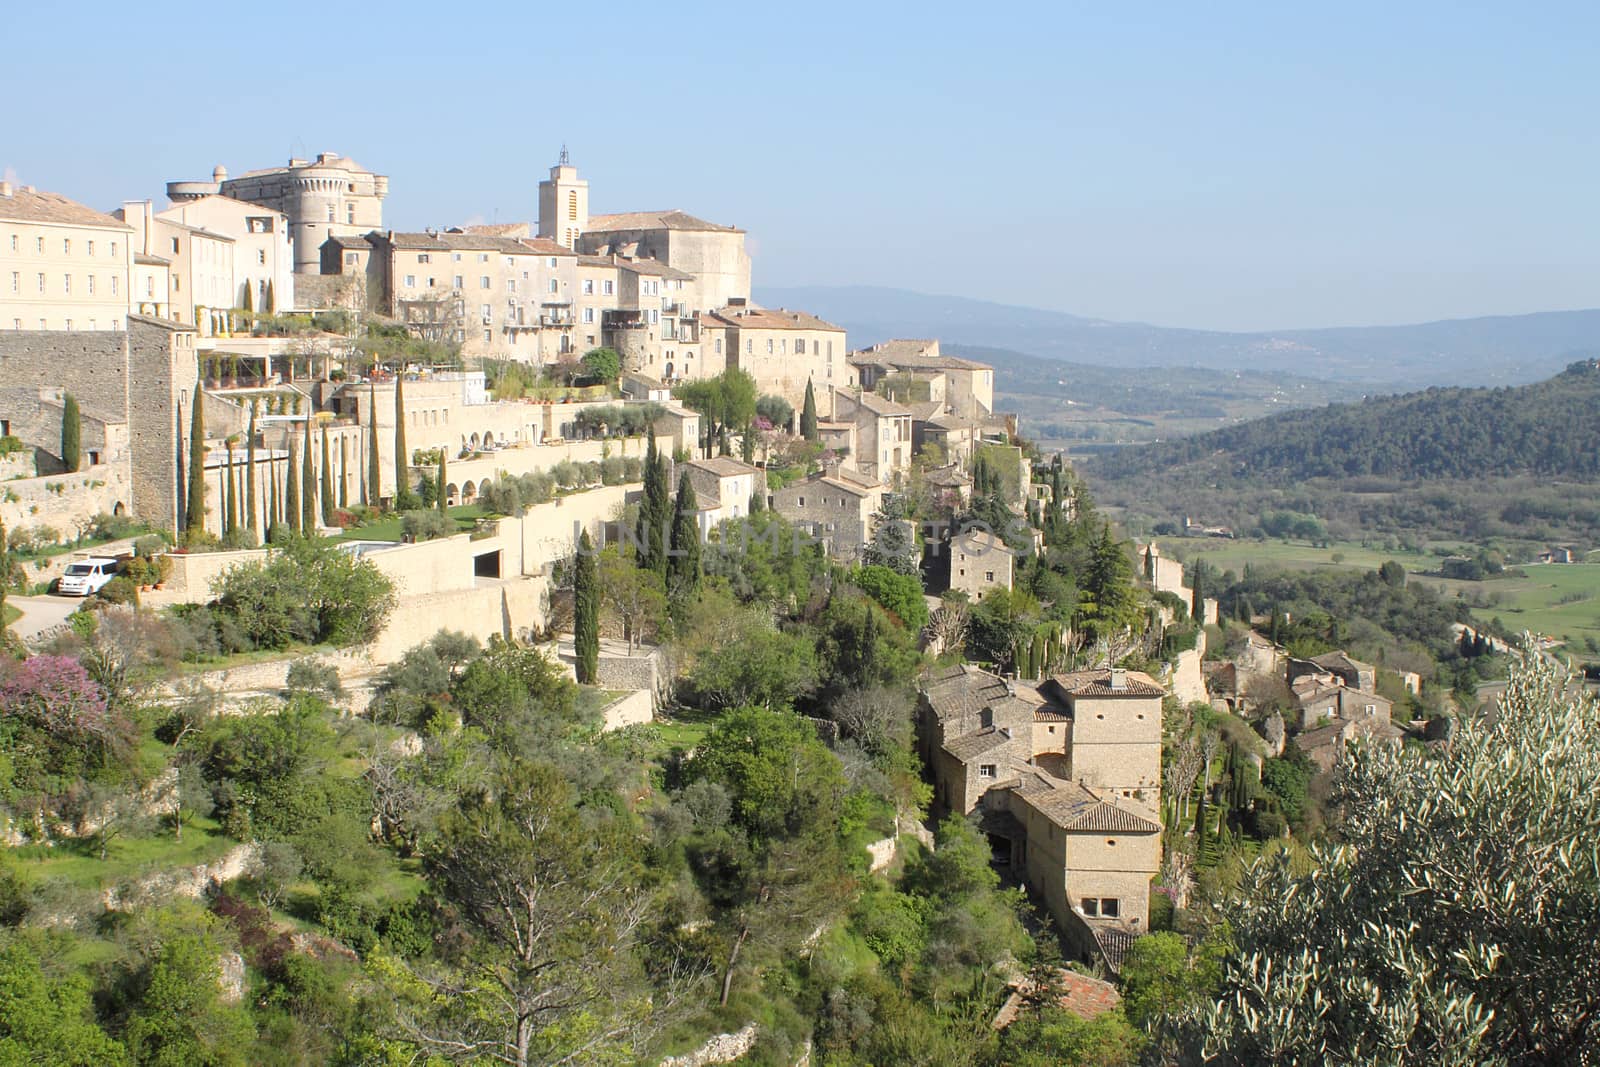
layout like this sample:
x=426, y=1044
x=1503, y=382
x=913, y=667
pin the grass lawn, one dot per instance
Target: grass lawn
x=1558, y=599
x=388, y=528
x=79, y=863
x=684, y=735
x=12, y=614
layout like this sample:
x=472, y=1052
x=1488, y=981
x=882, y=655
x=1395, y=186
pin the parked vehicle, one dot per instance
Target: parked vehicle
x=88, y=576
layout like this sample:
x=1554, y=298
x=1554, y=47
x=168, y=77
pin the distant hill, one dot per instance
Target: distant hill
x=1502, y=350
x=1551, y=429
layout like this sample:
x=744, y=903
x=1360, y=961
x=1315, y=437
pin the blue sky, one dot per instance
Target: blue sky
x=1215, y=165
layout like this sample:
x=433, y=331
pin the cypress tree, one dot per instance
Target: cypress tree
x=656, y=510
x=230, y=500
x=291, y=490
x=371, y=489
x=586, y=613
x=5, y=579
x=272, y=299
x=250, y=472
x=327, y=480
x=249, y=298
x=269, y=491
x=194, y=520
x=344, y=473
x=808, y=415
x=1197, y=599
x=71, y=434
x=444, y=505
x=683, y=566
x=402, y=486
x=308, y=486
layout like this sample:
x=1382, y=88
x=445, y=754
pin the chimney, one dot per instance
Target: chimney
x=5, y=190
x=1119, y=678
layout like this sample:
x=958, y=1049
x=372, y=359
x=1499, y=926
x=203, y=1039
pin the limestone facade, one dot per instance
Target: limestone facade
x=63, y=266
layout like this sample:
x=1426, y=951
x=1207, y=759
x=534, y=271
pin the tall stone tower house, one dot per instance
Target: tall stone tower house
x=563, y=204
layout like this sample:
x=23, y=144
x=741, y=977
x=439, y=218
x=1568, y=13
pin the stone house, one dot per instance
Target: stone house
x=1326, y=745
x=723, y=487
x=781, y=349
x=1064, y=776
x=883, y=434
x=836, y=507
x=1347, y=671
x=979, y=562
x=63, y=266
x=1319, y=699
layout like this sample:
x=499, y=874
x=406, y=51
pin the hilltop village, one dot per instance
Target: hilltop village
x=514, y=643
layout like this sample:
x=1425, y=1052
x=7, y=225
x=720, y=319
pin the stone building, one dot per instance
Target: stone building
x=198, y=264
x=883, y=433
x=321, y=198
x=1064, y=777
x=962, y=387
x=63, y=266
x=979, y=562
x=835, y=506
x=723, y=488
x=141, y=379
x=263, y=253
x=781, y=349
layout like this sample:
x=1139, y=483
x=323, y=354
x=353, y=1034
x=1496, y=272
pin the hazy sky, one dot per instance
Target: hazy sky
x=1219, y=165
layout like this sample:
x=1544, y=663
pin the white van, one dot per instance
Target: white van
x=87, y=576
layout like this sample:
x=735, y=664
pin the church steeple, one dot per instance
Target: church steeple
x=563, y=203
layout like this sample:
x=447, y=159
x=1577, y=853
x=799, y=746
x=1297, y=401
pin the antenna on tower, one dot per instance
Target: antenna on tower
x=564, y=160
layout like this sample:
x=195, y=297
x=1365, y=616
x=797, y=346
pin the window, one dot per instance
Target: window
x=411, y=281
x=41, y=252
x=986, y=770
x=552, y=262
x=488, y=335
x=91, y=324
x=458, y=282
x=483, y=281
x=350, y=259
x=91, y=248
x=66, y=281
x=572, y=205
x=800, y=346
x=588, y=315
x=175, y=244
x=483, y=309
x=609, y=287
x=14, y=248
x=719, y=346
x=483, y=257
x=113, y=285
x=769, y=346
x=69, y=324
x=66, y=246
x=555, y=286
x=588, y=287
x=1110, y=907
x=802, y=501
x=91, y=293
x=655, y=317
x=261, y=256
x=423, y=257
x=749, y=347
x=988, y=576
x=1090, y=906
x=350, y=214
x=330, y=212
x=511, y=285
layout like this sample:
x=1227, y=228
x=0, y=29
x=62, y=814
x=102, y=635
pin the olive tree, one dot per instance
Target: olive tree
x=1454, y=918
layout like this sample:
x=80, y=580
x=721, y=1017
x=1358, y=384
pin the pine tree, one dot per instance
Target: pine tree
x=444, y=504
x=808, y=415
x=194, y=520
x=71, y=434
x=683, y=564
x=586, y=613
x=250, y=473
x=371, y=489
x=402, y=481
x=327, y=480
x=291, y=490
x=308, y=486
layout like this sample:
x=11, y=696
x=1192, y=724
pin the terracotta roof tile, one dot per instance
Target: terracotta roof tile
x=27, y=204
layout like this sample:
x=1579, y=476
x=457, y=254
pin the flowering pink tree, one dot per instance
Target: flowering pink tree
x=55, y=694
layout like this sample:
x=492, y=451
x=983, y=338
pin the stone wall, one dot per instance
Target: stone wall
x=92, y=366
x=65, y=502
x=1187, y=683
x=632, y=710
x=162, y=376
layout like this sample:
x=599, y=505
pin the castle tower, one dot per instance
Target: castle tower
x=563, y=203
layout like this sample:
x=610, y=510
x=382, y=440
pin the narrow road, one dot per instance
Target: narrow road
x=41, y=613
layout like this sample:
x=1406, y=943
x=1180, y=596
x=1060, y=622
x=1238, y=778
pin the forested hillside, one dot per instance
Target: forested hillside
x=1551, y=428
